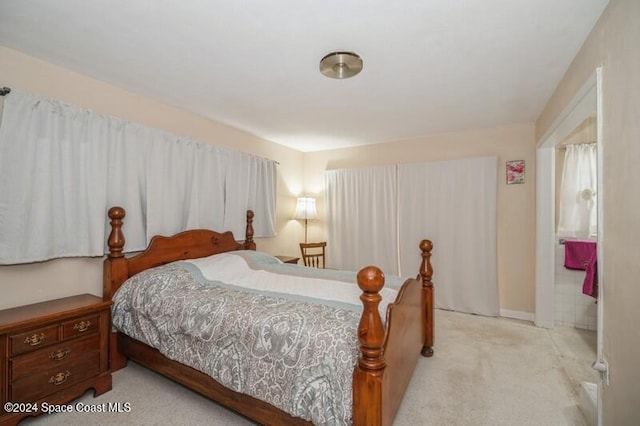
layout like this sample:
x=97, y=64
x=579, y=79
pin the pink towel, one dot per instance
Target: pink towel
x=590, y=284
x=577, y=253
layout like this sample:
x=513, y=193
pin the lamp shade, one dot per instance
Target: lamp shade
x=306, y=209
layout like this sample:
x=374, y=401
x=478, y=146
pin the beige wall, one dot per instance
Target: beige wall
x=516, y=203
x=614, y=44
x=29, y=283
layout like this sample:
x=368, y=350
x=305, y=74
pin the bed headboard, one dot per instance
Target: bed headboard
x=185, y=245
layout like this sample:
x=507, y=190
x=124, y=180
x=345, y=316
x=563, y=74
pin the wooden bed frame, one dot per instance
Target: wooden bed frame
x=388, y=354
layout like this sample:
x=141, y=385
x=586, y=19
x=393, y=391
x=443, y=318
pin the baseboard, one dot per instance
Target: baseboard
x=525, y=316
x=589, y=402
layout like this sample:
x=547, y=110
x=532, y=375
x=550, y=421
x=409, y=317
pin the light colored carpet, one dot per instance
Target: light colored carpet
x=485, y=371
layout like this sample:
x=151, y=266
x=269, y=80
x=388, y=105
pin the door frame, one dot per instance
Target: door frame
x=580, y=107
x=585, y=103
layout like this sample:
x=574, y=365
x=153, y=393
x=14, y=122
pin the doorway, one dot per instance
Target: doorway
x=586, y=103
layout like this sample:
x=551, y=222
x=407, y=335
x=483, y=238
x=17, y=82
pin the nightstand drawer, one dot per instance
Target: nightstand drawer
x=80, y=326
x=36, y=386
x=33, y=339
x=47, y=359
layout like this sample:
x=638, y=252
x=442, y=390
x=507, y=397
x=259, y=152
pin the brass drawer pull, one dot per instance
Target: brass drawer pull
x=82, y=326
x=35, y=340
x=59, y=354
x=59, y=378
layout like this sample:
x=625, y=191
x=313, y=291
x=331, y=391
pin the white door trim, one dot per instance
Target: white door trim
x=580, y=107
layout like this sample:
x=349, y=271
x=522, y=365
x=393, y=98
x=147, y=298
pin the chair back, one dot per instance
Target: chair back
x=313, y=254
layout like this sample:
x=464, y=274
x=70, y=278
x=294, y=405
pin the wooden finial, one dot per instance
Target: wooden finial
x=116, y=237
x=426, y=270
x=248, y=235
x=370, y=329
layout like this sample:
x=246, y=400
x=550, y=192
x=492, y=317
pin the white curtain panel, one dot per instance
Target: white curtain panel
x=53, y=178
x=361, y=218
x=127, y=177
x=250, y=184
x=62, y=166
x=453, y=203
x=578, y=199
x=185, y=186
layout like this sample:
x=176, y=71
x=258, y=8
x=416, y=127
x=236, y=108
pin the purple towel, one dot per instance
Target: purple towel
x=577, y=253
x=590, y=284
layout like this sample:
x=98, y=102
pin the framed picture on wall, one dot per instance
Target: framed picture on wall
x=515, y=171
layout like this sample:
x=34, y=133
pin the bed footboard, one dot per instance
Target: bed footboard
x=389, y=353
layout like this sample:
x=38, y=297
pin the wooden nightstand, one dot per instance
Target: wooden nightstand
x=53, y=352
x=289, y=259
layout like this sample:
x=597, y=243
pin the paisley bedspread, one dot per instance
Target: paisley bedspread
x=294, y=351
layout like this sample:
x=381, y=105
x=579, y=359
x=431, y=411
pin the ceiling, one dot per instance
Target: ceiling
x=430, y=66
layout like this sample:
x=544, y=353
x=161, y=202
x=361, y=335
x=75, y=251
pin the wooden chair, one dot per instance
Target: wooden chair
x=313, y=254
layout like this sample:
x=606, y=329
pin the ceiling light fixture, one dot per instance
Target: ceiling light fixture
x=341, y=65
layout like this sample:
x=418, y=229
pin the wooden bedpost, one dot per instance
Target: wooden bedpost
x=115, y=265
x=114, y=271
x=248, y=234
x=426, y=273
x=367, y=375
